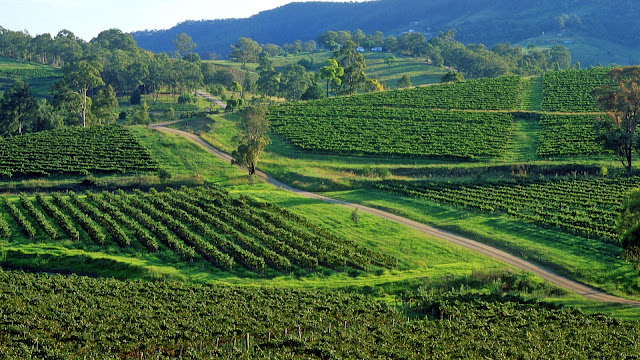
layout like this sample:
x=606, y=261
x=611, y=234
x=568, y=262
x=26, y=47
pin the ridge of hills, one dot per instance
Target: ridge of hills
x=595, y=31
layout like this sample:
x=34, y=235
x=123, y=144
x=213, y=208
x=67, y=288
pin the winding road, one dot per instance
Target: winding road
x=553, y=278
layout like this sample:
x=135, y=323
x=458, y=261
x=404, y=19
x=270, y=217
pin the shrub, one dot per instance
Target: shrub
x=186, y=99
x=135, y=98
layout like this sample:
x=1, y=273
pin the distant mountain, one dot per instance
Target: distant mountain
x=596, y=31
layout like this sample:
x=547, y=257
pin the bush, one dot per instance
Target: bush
x=307, y=63
x=186, y=99
x=89, y=180
x=164, y=174
x=314, y=92
x=135, y=98
x=170, y=114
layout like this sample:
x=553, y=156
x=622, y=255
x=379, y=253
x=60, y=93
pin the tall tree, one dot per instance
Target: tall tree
x=332, y=73
x=18, y=107
x=358, y=37
x=81, y=77
x=255, y=125
x=309, y=46
x=104, y=106
x=235, y=87
x=353, y=64
x=404, y=82
x=390, y=44
x=327, y=38
x=67, y=103
x=620, y=98
x=629, y=228
x=46, y=119
x=272, y=50
x=268, y=82
x=141, y=116
x=294, y=82
x=249, y=83
x=158, y=72
x=184, y=44
x=245, y=50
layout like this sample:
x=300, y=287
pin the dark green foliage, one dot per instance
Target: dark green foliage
x=585, y=207
x=570, y=90
x=105, y=318
x=562, y=135
x=307, y=63
x=314, y=92
x=223, y=77
x=103, y=149
x=629, y=228
x=404, y=82
x=186, y=99
x=135, y=98
x=18, y=109
x=452, y=76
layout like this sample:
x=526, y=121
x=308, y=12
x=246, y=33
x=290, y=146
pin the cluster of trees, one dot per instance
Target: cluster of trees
x=95, y=73
x=620, y=98
x=474, y=60
x=21, y=112
x=247, y=50
x=344, y=73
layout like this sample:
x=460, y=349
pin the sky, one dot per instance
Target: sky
x=87, y=18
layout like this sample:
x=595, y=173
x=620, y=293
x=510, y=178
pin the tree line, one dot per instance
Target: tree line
x=474, y=60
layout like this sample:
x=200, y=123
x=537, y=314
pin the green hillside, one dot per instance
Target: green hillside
x=533, y=196
x=468, y=120
x=39, y=77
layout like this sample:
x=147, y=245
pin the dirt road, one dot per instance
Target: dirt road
x=560, y=281
x=209, y=97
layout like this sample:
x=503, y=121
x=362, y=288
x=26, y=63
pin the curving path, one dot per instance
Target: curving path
x=561, y=281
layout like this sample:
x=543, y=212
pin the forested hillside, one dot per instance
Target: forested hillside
x=594, y=30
